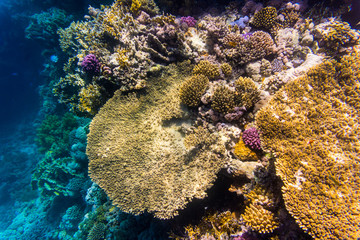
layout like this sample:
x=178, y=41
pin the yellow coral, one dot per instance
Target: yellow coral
x=226, y=69
x=260, y=219
x=247, y=93
x=192, y=89
x=135, y=6
x=265, y=18
x=312, y=125
x=243, y=152
x=223, y=99
x=208, y=69
x=137, y=155
x=89, y=99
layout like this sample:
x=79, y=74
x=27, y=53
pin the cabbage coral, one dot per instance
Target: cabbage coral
x=312, y=125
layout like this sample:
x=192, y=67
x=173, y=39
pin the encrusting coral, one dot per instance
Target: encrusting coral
x=312, y=125
x=137, y=153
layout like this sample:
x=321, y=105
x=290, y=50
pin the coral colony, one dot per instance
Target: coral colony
x=262, y=100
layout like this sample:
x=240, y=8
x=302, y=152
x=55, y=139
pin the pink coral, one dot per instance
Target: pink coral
x=251, y=138
x=189, y=21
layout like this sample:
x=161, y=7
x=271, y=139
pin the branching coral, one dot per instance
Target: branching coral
x=207, y=69
x=223, y=99
x=312, y=125
x=247, y=93
x=337, y=35
x=192, y=89
x=265, y=18
x=137, y=152
x=241, y=49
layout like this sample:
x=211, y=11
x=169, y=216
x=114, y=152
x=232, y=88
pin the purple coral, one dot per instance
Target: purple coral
x=251, y=138
x=190, y=21
x=91, y=64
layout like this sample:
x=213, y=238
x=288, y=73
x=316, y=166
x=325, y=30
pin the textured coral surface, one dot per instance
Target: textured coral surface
x=312, y=124
x=137, y=152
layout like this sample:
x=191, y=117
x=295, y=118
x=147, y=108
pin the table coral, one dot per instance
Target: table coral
x=312, y=125
x=137, y=154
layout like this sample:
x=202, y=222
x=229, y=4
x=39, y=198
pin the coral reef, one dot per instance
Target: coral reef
x=247, y=93
x=223, y=100
x=192, y=89
x=259, y=219
x=251, y=138
x=311, y=125
x=207, y=69
x=240, y=49
x=265, y=18
x=136, y=134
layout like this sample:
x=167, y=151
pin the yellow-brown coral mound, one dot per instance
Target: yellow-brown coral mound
x=313, y=124
x=137, y=152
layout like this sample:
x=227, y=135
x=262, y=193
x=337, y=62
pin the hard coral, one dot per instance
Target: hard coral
x=189, y=21
x=241, y=49
x=251, y=138
x=192, y=89
x=260, y=219
x=223, y=99
x=243, y=152
x=137, y=153
x=91, y=64
x=265, y=18
x=312, y=125
x=247, y=93
x=208, y=69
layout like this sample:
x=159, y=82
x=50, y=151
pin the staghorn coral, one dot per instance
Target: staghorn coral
x=137, y=154
x=207, y=69
x=265, y=18
x=247, y=93
x=241, y=48
x=223, y=100
x=312, y=125
x=192, y=89
x=259, y=219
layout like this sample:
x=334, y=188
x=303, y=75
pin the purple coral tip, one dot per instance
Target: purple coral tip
x=251, y=138
x=91, y=64
x=190, y=21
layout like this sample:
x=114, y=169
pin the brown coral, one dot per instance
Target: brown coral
x=207, y=69
x=265, y=18
x=223, y=99
x=247, y=93
x=241, y=49
x=192, y=90
x=312, y=125
x=137, y=153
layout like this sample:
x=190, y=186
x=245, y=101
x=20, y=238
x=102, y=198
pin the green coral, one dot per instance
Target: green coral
x=142, y=133
x=192, y=89
x=223, y=99
x=53, y=133
x=247, y=92
x=312, y=125
x=265, y=18
x=208, y=69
